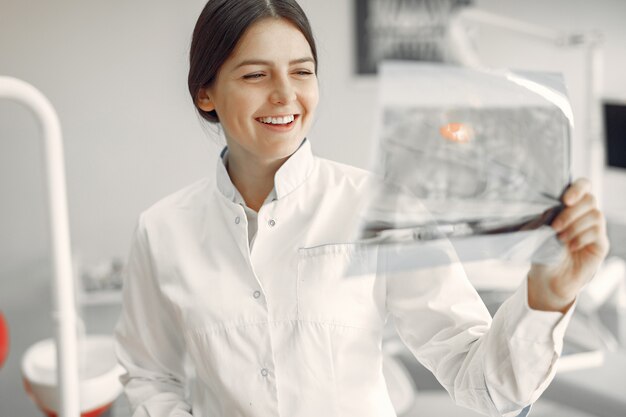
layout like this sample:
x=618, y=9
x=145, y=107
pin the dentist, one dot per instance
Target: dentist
x=235, y=298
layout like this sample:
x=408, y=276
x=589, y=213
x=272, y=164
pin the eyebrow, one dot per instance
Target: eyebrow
x=263, y=62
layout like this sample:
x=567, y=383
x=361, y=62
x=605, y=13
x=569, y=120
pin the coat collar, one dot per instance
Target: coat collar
x=289, y=176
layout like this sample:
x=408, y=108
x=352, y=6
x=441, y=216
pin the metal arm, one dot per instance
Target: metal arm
x=64, y=311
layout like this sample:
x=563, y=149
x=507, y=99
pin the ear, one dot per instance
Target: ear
x=203, y=101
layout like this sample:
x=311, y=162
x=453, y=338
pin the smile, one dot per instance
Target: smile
x=280, y=120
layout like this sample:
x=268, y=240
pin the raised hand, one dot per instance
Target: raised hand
x=581, y=227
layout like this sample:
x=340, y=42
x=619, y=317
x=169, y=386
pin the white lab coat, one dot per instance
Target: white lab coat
x=293, y=326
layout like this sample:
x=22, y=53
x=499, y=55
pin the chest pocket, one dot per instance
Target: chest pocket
x=338, y=284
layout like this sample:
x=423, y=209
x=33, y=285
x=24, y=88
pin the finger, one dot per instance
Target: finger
x=570, y=214
x=576, y=191
x=592, y=218
x=592, y=237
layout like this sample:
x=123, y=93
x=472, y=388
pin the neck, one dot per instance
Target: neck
x=253, y=178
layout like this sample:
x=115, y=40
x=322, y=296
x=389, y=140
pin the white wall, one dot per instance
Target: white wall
x=116, y=72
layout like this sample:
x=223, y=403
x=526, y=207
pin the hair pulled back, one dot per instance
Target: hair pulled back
x=218, y=29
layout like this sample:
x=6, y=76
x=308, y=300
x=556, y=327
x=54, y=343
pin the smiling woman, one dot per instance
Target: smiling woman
x=264, y=98
x=228, y=21
x=254, y=277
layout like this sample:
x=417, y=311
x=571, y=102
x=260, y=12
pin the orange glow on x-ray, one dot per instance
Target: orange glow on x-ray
x=457, y=132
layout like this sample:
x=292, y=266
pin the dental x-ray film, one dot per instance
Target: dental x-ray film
x=477, y=157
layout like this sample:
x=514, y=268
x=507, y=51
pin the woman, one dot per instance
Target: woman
x=227, y=313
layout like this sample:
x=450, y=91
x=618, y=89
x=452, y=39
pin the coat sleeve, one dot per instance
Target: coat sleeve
x=149, y=344
x=497, y=367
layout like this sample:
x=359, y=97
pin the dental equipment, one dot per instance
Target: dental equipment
x=64, y=308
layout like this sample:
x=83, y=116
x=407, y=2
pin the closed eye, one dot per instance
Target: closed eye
x=253, y=76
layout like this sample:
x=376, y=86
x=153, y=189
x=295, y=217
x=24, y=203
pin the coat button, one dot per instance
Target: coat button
x=237, y=220
x=264, y=372
x=256, y=294
x=272, y=223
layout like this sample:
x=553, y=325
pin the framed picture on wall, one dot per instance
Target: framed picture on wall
x=401, y=30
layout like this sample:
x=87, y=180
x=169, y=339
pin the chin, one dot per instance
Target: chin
x=282, y=149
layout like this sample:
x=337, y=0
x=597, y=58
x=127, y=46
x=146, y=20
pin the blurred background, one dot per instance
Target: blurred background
x=116, y=73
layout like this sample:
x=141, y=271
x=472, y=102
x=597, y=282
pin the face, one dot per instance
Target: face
x=266, y=92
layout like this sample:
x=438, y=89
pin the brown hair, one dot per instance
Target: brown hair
x=220, y=26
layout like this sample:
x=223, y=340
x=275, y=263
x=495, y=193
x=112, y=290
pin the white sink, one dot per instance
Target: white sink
x=98, y=375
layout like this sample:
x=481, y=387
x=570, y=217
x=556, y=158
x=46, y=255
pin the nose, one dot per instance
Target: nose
x=283, y=91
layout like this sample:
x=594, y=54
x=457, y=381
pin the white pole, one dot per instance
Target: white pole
x=64, y=312
x=595, y=127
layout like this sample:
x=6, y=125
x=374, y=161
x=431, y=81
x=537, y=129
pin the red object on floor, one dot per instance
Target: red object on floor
x=91, y=413
x=4, y=339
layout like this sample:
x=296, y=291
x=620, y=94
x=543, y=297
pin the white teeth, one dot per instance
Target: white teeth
x=278, y=120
